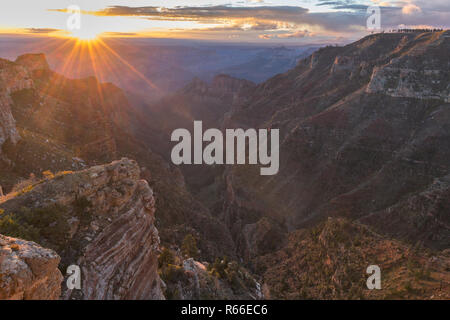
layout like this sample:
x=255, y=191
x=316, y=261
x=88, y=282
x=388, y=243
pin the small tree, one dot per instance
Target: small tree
x=189, y=246
x=166, y=257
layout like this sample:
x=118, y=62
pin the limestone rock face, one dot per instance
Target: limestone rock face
x=28, y=271
x=120, y=262
x=13, y=77
x=111, y=233
x=364, y=134
x=328, y=262
x=33, y=61
x=410, y=83
x=420, y=73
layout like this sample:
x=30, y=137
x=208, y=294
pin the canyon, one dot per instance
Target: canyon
x=100, y=219
x=234, y=147
x=363, y=179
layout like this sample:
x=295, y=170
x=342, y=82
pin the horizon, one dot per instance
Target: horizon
x=283, y=22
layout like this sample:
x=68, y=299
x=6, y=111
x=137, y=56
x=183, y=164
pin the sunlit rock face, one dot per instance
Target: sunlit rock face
x=13, y=77
x=33, y=62
x=28, y=271
x=364, y=134
x=421, y=72
x=109, y=232
x=328, y=262
x=79, y=114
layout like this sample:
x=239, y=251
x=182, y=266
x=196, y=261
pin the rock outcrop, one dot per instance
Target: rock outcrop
x=33, y=62
x=70, y=124
x=108, y=232
x=420, y=71
x=330, y=260
x=28, y=271
x=364, y=134
x=13, y=77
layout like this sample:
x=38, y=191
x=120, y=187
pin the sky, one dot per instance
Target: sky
x=282, y=21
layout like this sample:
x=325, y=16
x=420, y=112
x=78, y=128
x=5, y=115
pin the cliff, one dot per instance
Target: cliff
x=363, y=134
x=101, y=219
x=47, y=120
x=70, y=124
x=330, y=260
x=13, y=77
x=28, y=271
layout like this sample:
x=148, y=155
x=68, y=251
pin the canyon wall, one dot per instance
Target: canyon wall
x=28, y=271
x=107, y=229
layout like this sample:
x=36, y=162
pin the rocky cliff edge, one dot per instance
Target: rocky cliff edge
x=100, y=219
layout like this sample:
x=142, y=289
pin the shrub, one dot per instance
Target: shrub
x=11, y=227
x=189, y=246
x=408, y=287
x=62, y=173
x=172, y=273
x=81, y=205
x=25, y=185
x=47, y=224
x=48, y=175
x=165, y=258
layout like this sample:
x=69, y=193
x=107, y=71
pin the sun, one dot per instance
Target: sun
x=84, y=34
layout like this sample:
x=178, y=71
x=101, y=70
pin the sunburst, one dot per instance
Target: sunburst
x=84, y=34
x=88, y=47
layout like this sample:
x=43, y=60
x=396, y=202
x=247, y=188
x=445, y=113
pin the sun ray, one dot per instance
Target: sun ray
x=97, y=73
x=133, y=69
x=55, y=83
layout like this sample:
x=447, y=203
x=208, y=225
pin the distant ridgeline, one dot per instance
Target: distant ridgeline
x=414, y=30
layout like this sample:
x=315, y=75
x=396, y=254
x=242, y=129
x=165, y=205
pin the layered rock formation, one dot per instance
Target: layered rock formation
x=411, y=76
x=28, y=271
x=198, y=100
x=108, y=230
x=70, y=124
x=364, y=134
x=330, y=260
x=56, y=119
x=33, y=62
x=76, y=115
x=13, y=77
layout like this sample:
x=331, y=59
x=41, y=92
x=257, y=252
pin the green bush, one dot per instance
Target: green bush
x=189, y=247
x=172, y=273
x=81, y=205
x=10, y=226
x=46, y=224
x=165, y=258
x=218, y=268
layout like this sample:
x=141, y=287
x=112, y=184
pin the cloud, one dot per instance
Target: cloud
x=284, y=16
x=207, y=12
x=265, y=36
x=289, y=35
x=41, y=30
x=411, y=9
x=296, y=34
x=120, y=34
x=347, y=18
x=343, y=5
x=258, y=26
